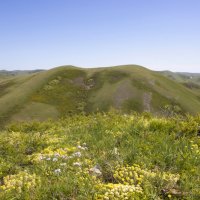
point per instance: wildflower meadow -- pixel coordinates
(102, 157)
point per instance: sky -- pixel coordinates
(157, 34)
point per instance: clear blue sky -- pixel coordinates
(158, 34)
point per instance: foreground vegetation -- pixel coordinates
(101, 156)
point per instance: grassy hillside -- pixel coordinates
(183, 76)
(101, 157)
(68, 90)
(189, 80)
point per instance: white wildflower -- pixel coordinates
(82, 148)
(95, 171)
(41, 157)
(77, 154)
(63, 164)
(57, 171)
(65, 157)
(77, 164)
(55, 159)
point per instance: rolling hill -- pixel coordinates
(68, 90)
(189, 80)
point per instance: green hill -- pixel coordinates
(68, 90)
(189, 80)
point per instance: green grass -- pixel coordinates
(161, 156)
(36, 111)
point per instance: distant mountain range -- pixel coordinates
(5, 73)
(67, 90)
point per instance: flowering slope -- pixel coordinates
(101, 157)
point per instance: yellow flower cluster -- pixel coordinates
(118, 192)
(49, 152)
(60, 151)
(130, 175)
(54, 139)
(84, 177)
(195, 148)
(169, 179)
(19, 182)
(135, 175)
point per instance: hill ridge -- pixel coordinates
(67, 90)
